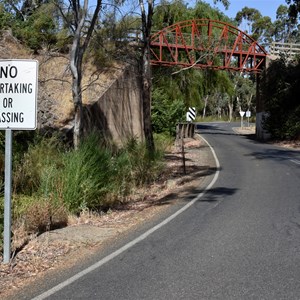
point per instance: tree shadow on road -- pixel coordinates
(274, 154)
(211, 195)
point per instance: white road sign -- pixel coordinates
(18, 94)
(242, 113)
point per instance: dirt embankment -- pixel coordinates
(54, 102)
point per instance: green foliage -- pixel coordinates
(36, 27)
(63, 41)
(21, 141)
(170, 12)
(49, 183)
(111, 41)
(96, 177)
(31, 163)
(203, 10)
(280, 87)
(246, 92)
(173, 87)
(166, 112)
(163, 142)
(39, 29)
(82, 178)
(145, 166)
(6, 18)
(294, 9)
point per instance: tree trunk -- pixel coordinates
(80, 43)
(230, 108)
(205, 105)
(75, 64)
(219, 112)
(77, 125)
(146, 72)
(146, 98)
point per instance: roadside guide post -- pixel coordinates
(242, 113)
(18, 111)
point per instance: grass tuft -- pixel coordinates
(50, 183)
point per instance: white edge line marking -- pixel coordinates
(295, 161)
(135, 241)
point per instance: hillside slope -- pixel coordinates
(106, 111)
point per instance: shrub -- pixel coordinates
(32, 164)
(39, 214)
(166, 113)
(82, 179)
(6, 18)
(280, 88)
(94, 177)
(145, 166)
(50, 183)
(38, 29)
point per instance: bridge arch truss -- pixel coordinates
(204, 43)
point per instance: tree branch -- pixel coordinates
(93, 23)
(190, 67)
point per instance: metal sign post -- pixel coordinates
(18, 110)
(248, 115)
(242, 113)
(7, 196)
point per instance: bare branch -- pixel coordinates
(93, 23)
(191, 66)
(42, 81)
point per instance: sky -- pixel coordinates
(266, 7)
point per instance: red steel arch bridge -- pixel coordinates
(205, 43)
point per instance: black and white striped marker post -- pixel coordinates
(191, 114)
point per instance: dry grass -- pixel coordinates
(56, 82)
(11, 48)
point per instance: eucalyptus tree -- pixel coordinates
(168, 13)
(81, 21)
(146, 27)
(280, 88)
(258, 27)
(22, 9)
(219, 88)
(294, 9)
(6, 17)
(285, 26)
(203, 10)
(245, 91)
(33, 23)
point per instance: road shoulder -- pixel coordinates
(59, 250)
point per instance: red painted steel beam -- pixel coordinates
(203, 43)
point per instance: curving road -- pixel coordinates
(240, 240)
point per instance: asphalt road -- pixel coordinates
(240, 240)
